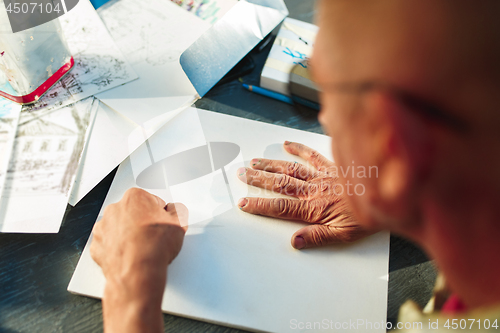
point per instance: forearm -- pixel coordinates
(133, 304)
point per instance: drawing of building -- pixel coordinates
(6, 135)
(46, 155)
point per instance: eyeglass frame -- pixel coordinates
(412, 101)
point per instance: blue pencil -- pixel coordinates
(281, 97)
(268, 93)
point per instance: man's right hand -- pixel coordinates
(134, 243)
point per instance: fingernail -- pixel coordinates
(241, 171)
(299, 243)
(287, 143)
(242, 202)
(255, 161)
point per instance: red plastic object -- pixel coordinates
(42, 89)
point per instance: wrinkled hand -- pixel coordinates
(320, 199)
(134, 242)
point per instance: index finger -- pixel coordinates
(283, 208)
(317, 160)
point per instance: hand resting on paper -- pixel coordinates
(134, 242)
(315, 188)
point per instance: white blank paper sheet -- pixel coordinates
(237, 269)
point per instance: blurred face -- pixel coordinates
(383, 41)
(442, 51)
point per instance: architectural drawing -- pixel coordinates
(47, 150)
(9, 116)
(156, 32)
(42, 167)
(99, 64)
(208, 10)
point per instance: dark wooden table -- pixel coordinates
(35, 269)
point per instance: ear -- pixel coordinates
(403, 151)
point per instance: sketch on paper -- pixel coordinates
(47, 151)
(99, 64)
(208, 10)
(156, 32)
(9, 116)
(90, 75)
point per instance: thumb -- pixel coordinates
(321, 235)
(179, 214)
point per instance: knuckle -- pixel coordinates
(258, 203)
(97, 228)
(324, 186)
(304, 173)
(320, 236)
(132, 192)
(269, 165)
(136, 197)
(302, 191)
(312, 190)
(251, 177)
(108, 210)
(281, 206)
(314, 155)
(293, 168)
(282, 183)
(94, 252)
(135, 193)
(350, 234)
(318, 189)
(312, 211)
(331, 170)
(262, 175)
(286, 207)
(299, 146)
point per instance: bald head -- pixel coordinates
(436, 185)
(446, 53)
(445, 50)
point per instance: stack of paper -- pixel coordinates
(42, 168)
(9, 117)
(152, 36)
(235, 268)
(293, 44)
(52, 133)
(172, 50)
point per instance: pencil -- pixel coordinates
(268, 93)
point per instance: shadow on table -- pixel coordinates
(35, 270)
(411, 276)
